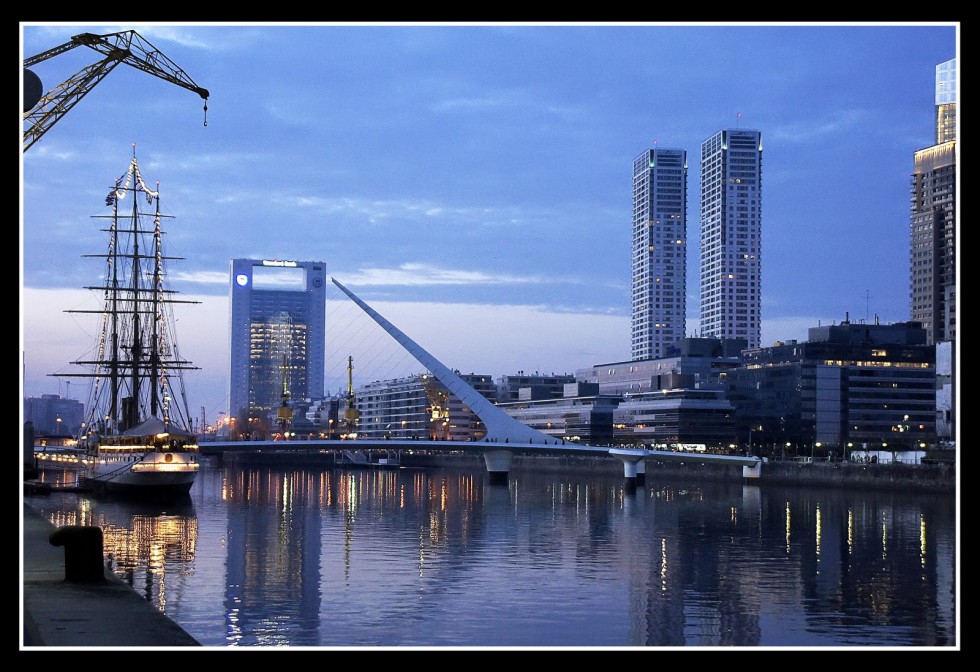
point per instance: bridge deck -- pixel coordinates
(556, 448)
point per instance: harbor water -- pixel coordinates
(310, 557)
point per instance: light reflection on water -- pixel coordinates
(434, 558)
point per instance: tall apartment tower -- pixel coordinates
(659, 252)
(932, 255)
(278, 311)
(731, 236)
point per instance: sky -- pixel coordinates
(473, 182)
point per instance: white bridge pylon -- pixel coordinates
(501, 427)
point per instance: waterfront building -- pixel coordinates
(659, 261)
(521, 386)
(673, 418)
(580, 415)
(53, 415)
(933, 225)
(277, 338)
(420, 407)
(692, 362)
(849, 386)
(731, 236)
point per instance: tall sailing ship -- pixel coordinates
(137, 439)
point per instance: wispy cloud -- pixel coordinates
(415, 274)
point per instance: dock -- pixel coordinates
(60, 611)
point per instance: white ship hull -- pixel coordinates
(150, 475)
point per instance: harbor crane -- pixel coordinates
(42, 111)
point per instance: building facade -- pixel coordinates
(848, 387)
(695, 362)
(933, 226)
(731, 236)
(523, 386)
(579, 415)
(659, 261)
(54, 415)
(419, 407)
(278, 313)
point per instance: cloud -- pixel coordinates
(414, 274)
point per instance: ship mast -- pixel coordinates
(136, 366)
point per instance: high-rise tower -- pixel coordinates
(932, 254)
(731, 235)
(659, 251)
(278, 311)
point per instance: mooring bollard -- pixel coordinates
(83, 552)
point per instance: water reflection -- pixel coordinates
(367, 558)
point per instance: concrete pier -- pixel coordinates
(77, 606)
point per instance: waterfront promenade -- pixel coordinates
(59, 613)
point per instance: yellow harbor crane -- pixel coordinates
(42, 111)
(351, 414)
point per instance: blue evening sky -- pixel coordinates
(473, 182)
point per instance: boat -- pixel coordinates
(137, 439)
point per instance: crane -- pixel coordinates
(43, 111)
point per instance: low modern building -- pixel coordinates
(670, 418)
(849, 387)
(520, 385)
(419, 407)
(581, 414)
(694, 362)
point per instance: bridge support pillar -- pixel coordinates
(633, 465)
(641, 472)
(753, 472)
(498, 465)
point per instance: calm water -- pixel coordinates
(268, 557)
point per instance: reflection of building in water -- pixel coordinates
(682, 604)
(272, 580)
(147, 547)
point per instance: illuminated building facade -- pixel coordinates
(659, 262)
(278, 311)
(420, 407)
(932, 261)
(731, 236)
(849, 387)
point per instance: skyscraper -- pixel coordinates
(659, 252)
(932, 255)
(731, 235)
(278, 313)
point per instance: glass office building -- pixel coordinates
(278, 313)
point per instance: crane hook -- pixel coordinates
(205, 111)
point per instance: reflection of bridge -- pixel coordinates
(505, 435)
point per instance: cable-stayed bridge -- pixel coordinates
(505, 435)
